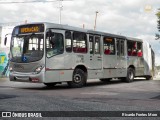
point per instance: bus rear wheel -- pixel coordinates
(130, 75)
(79, 79)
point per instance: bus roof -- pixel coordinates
(134, 39)
(105, 34)
(67, 27)
(57, 26)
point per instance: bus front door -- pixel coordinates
(54, 55)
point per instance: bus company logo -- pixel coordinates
(6, 114)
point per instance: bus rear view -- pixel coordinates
(27, 53)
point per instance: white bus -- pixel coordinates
(51, 53)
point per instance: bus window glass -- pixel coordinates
(109, 46)
(68, 41)
(54, 44)
(27, 48)
(97, 45)
(91, 44)
(118, 47)
(132, 48)
(79, 42)
(139, 49)
(34, 44)
(122, 48)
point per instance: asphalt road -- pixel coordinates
(140, 95)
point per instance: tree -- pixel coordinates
(158, 24)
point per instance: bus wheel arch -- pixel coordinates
(79, 77)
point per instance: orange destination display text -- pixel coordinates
(30, 29)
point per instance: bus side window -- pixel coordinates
(132, 48)
(54, 44)
(122, 48)
(91, 44)
(68, 43)
(79, 42)
(109, 46)
(118, 47)
(139, 49)
(97, 45)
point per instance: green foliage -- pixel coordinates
(158, 16)
(158, 24)
(158, 13)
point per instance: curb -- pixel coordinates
(4, 78)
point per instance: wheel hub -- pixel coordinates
(131, 75)
(77, 78)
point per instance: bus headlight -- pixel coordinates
(38, 69)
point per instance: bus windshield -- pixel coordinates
(27, 48)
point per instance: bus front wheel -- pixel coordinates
(79, 79)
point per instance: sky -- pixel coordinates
(134, 18)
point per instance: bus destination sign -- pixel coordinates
(108, 39)
(29, 29)
(32, 28)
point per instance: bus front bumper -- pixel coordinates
(27, 77)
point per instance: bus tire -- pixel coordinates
(105, 79)
(79, 79)
(130, 75)
(50, 84)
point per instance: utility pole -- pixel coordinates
(60, 9)
(95, 20)
(83, 26)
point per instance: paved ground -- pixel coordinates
(140, 95)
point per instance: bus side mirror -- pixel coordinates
(51, 36)
(5, 41)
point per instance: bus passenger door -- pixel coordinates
(95, 56)
(121, 58)
(54, 55)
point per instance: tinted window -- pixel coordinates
(97, 45)
(132, 48)
(109, 46)
(68, 44)
(91, 44)
(120, 47)
(54, 44)
(79, 42)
